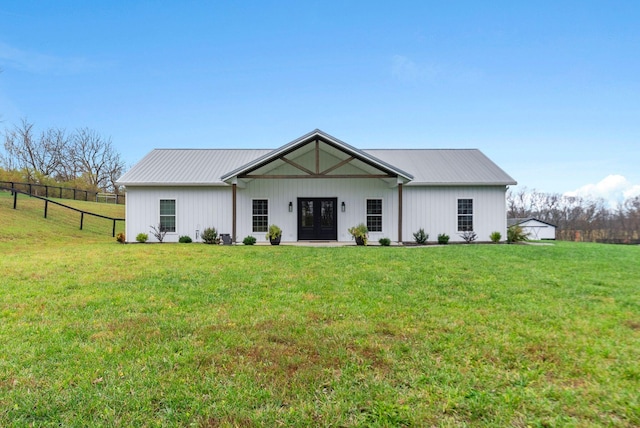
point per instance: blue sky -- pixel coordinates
(550, 90)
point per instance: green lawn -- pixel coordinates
(95, 333)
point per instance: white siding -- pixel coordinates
(431, 208)
(196, 209)
(538, 230)
(435, 209)
(353, 192)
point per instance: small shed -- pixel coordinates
(537, 229)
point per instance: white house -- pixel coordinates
(537, 229)
(315, 188)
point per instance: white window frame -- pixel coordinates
(175, 213)
(253, 230)
(381, 215)
(458, 215)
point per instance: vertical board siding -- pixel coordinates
(433, 208)
(196, 209)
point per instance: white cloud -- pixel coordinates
(36, 62)
(406, 70)
(614, 189)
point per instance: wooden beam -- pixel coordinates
(336, 166)
(399, 213)
(296, 165)
(233, 212)
(297, 177)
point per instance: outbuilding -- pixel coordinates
(314, 188)
(536, 229)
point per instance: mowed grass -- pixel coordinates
(95, 333)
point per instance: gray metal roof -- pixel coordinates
(208, 167)
(193, 167)
(446, 167)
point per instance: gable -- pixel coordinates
(318, 155)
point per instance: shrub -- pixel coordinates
(469, 236)
(142, 237)
(359, 233)
(274, 233)
(516, 234)
(443, 239)
(385, 242)
(121, 238)
(495, 237)
(421, 237)
(249, 240)
(159, 232)
(185, 239)
(210, 236)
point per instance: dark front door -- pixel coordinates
(317, 219)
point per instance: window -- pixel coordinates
(465, 215)
(260, 215)
(168, 215)
(374, 215)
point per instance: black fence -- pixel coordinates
(14, 191)
(46, 191)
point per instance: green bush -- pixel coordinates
(249, 240)
(421, 237)
(495, 237)
(142, 238)
(185, 239)
(360, 233)
(121, 238)
(516, 234)
(385, 242)
(210, 236)
(443, 239)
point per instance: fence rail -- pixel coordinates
(34, 189)
(47, 201)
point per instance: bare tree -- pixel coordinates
(95, 159)
(39, 155)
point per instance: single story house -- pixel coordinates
(314, 188)
(537, 229)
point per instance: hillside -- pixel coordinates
(61, 224)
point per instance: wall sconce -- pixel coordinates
(290, 207)
(343, 207)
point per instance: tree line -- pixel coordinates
(578, 218)
(82, 159)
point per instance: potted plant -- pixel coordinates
(274, 234)
(360, 233)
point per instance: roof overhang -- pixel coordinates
(317, 135)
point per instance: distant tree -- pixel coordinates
(38, 155)
(95, 159)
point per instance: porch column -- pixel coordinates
(233, 212)
(399, 212)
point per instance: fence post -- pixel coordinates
(74, 194)
(46, 206)
(46, 191)
(81, 219)
(86, 195)
(60, 192)
(15, 199)
(113, 233)
(30, 190)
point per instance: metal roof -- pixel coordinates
(446, 167)
(210, 167)
(193, 167)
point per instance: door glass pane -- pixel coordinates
(307, 214)
(327, 213)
